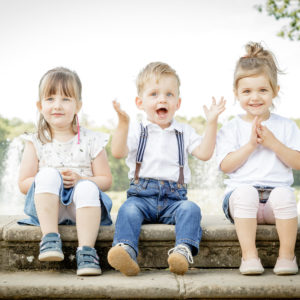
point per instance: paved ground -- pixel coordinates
(151, 284)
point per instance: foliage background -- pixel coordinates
(14, 127)
(288, 10)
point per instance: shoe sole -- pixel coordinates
(51, 256)
(88, 272)
(286, 272)
(120, 260)
(178, 264)
(252, 272)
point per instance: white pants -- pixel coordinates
(86, 193)
(244, 203)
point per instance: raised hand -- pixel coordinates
(215, 109)
(123, 116)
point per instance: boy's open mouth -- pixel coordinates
(161, 112)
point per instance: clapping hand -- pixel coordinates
(261, 135)
(265, 136)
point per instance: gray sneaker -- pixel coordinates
(122, 257)
(179, 259)
(51, 248)
(87, 261)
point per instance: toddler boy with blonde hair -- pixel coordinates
(157, 157)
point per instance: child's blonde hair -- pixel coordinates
(157, 69)
(256, 61)
(57, 81)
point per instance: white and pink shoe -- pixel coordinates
(285, 266)
(251, 266)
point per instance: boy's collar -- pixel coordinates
(174, 125)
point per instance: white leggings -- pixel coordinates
(86, 193)
(244, 203)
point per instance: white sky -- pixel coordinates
(107, 42)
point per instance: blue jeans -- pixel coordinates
(157, 201)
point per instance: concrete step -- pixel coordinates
(149, 284)
(19, 245)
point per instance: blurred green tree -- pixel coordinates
(284, 9)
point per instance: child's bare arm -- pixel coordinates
(101, 171)
(206, 149)
(236, 159)
(288, 156)
(28, 168)
(119, 147)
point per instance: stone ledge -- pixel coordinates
(4, 222)
(19, 246)
(214, 228)
(153, 284)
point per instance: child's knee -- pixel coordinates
(132, 209)
(244, 202)
(47, 180)
(189, 208)
(283, 203)
(129, 209)
(86, 194)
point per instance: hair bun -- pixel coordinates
(255, 50)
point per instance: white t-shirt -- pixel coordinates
(263, 167)
(161, 160)
(70, 154)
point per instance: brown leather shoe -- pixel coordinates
(179, 259)
(122, 258)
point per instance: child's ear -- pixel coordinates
(139, 102)
(39, 105)
(78, 107)
(178, 103)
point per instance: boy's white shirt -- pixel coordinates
(70, 155)
(161, 152)
(263, 167)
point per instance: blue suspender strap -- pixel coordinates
(142, 144)
(140, 151)
(180, 142)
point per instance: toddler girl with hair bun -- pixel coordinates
(258, 151)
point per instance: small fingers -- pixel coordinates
(260, 140)
(222, 104)
(222, 100)
(205, 109)
(68, 184)
(254, 123)
(67, 177)
(221, 109)
(116, 105)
